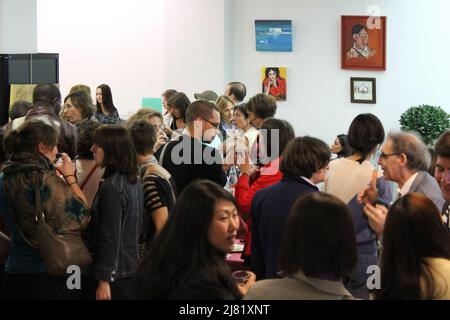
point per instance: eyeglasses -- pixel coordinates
(387, 155)
(215, 125)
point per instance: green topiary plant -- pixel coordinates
(429, 121)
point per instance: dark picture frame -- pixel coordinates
(363, 90)
(363, 43)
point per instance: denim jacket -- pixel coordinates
(113, 234)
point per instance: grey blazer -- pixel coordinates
(427, 184)
(298, 287)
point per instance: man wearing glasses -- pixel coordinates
(189, 158)
(405, 160)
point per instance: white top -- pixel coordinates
(346, 178)
(84, 166)
(405, 189)
(167, 120)
(251, 134)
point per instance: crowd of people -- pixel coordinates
(160, 200)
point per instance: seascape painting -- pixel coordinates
(273, 35)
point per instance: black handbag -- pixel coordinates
(59, 249)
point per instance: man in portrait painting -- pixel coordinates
(360, 48)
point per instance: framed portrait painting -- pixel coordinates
(274, 82)
(363, 90)
(363, 42)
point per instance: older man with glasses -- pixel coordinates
(405, 160)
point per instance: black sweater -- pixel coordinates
(187, 159)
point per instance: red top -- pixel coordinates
(279, 91)
(245, 191)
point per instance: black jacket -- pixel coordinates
(270, 210)
(67, 132)
(113, 234)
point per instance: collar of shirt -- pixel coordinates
(226, 126)
(405, 189)
(152, 159)
(364, 51)
(309, 181)
(186, 132)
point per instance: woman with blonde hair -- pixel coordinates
(155, 119)
(226, 109)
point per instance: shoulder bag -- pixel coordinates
(59, 250)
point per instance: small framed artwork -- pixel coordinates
(273, 35)
(363, 42)
(274, 82)
(363, 90)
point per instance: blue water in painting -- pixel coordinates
(273, 35)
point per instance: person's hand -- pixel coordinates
(369, 194)
(274, 82)
(167, 131)
(103, 291)
(243, 287)
(267, 88)
(247, 166)
(66, 166)
(376, 216)
(161, 139)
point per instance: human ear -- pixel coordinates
(43, 149)
(403, 159)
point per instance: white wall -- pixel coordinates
(194, 45)
(139, 48)
(112, 42)
(2, 27)
(318, 90)
(18, 26)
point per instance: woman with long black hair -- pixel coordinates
(106, 111)
(187, 259)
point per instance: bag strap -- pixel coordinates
(85, 181)
(3, 236)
